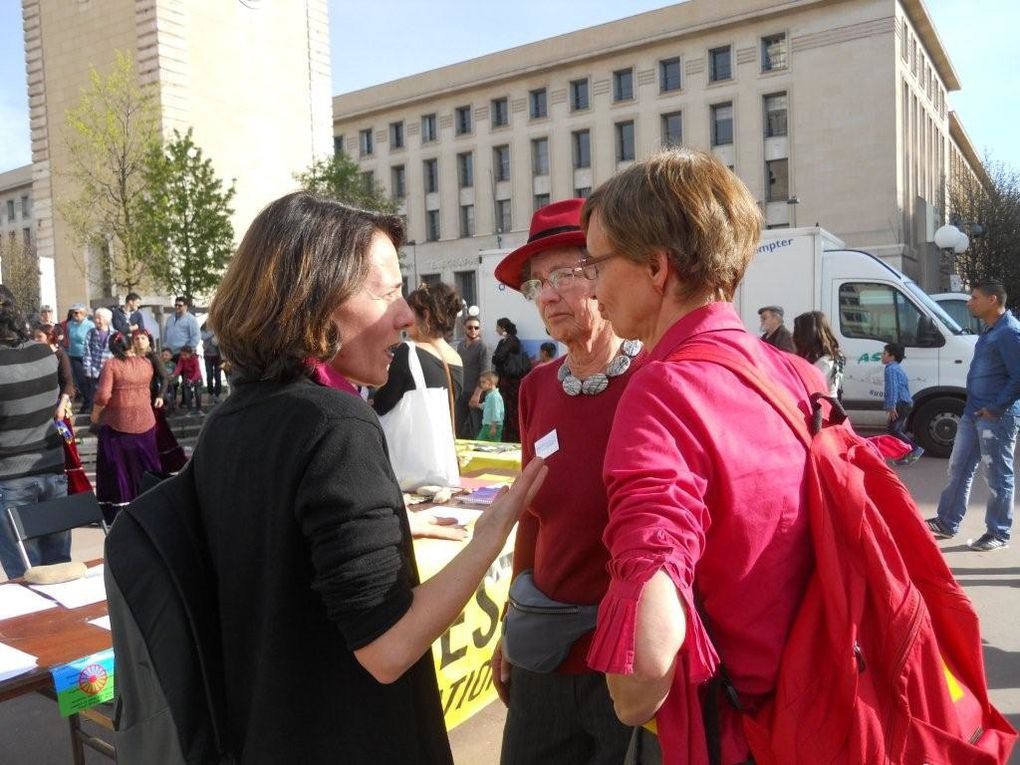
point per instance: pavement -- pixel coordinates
(31, 732)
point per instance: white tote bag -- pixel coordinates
(419, 435)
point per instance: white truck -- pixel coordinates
(869, 303)
(496, 301)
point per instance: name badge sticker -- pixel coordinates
(547, 445)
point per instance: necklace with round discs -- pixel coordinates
(598, 382)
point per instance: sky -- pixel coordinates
(415, 36)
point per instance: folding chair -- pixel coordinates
(55, 515)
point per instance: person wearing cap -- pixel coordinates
(774, 332)
(76, 333)
(564, 715)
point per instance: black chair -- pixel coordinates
(55, 515)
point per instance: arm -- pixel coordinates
(194, 336)
(66, 381)
(889, 393)
(1009, 349)
(104, 391)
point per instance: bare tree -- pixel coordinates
(20, 272)
(109, 135)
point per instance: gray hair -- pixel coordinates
(106, 313)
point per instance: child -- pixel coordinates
(166, 356)
(898, 401)
(492, 408)
(191, 378)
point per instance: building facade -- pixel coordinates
(16, 219)
(259, 118)
(832, 113)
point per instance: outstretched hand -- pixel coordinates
(503, 513)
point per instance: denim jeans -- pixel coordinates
(990, 442)
(897, 427)
(213, 375)
(82, 382)
(52, 548)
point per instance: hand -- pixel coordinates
(158, 403)
(493, 526)
(500, 673)
(986, 414)
(59, 414)
(893, 415)
(95, 416)
(493, 430)
(476, 400)
(430, 527)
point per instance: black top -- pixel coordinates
(400, 380)
(312, 553)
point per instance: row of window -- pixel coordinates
(26, 208)
(912, 53)
(774, 56)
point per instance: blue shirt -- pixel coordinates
(181, 331)
(77, 331)
(993, 381)
(897, 388)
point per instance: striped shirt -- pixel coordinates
(29, 441)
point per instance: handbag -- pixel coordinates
(418, 434)
(538, 632)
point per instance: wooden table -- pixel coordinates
(55, 637)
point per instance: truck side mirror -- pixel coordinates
(928, 335)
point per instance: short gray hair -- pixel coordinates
(106, 313)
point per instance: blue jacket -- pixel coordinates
(993, 381)
(897, 388)
(76, 333)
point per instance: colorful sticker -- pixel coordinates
(84, 683)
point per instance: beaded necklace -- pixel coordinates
(598, 382)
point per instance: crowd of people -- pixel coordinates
(662, 510)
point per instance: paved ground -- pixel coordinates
(32, 734)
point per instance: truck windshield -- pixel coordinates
(936, 309)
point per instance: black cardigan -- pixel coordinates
(313, 559)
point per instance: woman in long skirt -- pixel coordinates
(127, 436)
(171, 456)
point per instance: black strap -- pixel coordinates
(551, 232)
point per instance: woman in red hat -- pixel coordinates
(559, 709)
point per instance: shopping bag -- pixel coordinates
(419, 435)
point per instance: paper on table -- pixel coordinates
(14, 662)
(16, 600)
(79, 592)
(102, 621)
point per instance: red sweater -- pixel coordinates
(188, 369)
(560, 536)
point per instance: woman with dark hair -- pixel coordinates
(171, 456)
(127, 433)
(435, 309)
(319, 599)
(511, 363)
(815, 341)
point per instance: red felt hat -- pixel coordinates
(553, 226)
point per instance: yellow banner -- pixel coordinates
(462, 653)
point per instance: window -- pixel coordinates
(578, 95)
(903, 39)
(26, 236)
(777, 180)
(624, 141)
(775, 115)
(669, 75)
(540, 156)
(397, 135)
(431, 279)
(10, 210)
(719, 64)
(773, 52)
(430, 170)
(582, 192)
(466, 170)
(503, 220)
(881, 312)
(582, 148)
(501, 163)
(541, 200)
(466, 283)
(428, 128)
(538, 104)
(365, 146)
(398, 182)
(722, 124)
(338, 144)
(623, 85)
(467, 222)
(368, 181)
(26, 206)
(431, 225)
(462, 120)
(500, 112)
(672, 129)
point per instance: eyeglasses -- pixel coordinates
(562, 280)
(472, 328)
(590, 265)
(179, 305)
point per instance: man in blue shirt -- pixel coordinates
(988, 428)
(181, 328)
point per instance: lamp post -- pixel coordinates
(952, 241)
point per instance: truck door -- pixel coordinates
(870, 314)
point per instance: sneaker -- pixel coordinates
(939, 529)
(988, 543)
(914, 456)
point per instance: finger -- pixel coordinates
(528, 476)
(535, 485)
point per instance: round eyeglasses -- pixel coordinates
(562, 280)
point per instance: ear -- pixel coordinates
(658, 270)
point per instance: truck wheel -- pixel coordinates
(935, 425)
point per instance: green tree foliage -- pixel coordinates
(994, 204)
(185, 215)
(109, 134)
(340, 178)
